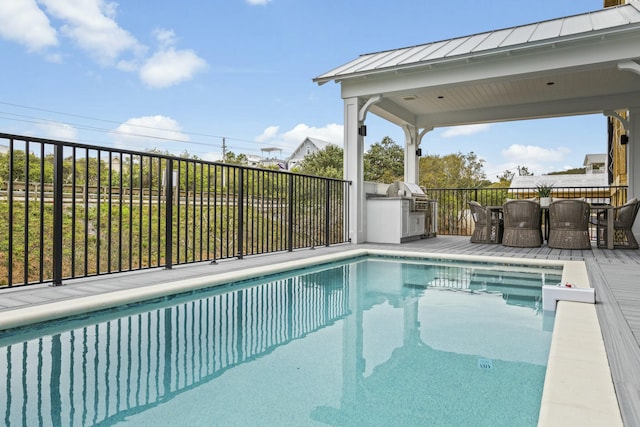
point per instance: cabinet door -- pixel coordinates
(416, 224)
(406, 223)
(419, 224)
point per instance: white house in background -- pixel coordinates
(272, 156)
(306, 147)
(4, 149)
(594, 176)
(591, 185)
(595, 163)
(560, 181)
(253, 160)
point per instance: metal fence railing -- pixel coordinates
(454, 217)
(73, 210)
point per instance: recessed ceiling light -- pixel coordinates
(410, 98)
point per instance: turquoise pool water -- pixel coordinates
(373, 341)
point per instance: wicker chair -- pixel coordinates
(522, 224)
(479, 235)
(569, 224)
(623, 219)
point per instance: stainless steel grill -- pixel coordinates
(418, 202)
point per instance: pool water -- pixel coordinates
(372, 341)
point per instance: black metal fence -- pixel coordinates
(74, 210)
(454, 217)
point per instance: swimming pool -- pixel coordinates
(355, 343)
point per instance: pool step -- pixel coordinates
(552, 294)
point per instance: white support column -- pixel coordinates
(354, 169)
(412, 139)
(411, 158)
(355, 114)
(633, 160)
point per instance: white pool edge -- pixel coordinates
(578, 388)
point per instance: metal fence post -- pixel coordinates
(57, 214)
(10, 201)
(327, 233)
(290, 215)
(168, 245)
(240, 202)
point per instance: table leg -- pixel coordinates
(610, 230)
(488, 231)
(545, 212)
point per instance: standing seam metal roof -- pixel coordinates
(550, 31)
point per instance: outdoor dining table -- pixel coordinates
(491, 211)
(544, 211)
(608, 213)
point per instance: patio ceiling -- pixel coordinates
(582, 64)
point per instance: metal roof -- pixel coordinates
(590, 159)
(559, 181)
(319, 143)
(529, 36)
(581, 64)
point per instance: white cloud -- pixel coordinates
(533, 153)
(538, 160)
(91, 24)
(269, 133)
(465, 130)
(165, 37)
(211, 156)
(258, 2)
(169, 67)
(55, 58)
(61, 131)
(149, 132)
(24, 22)
(292, 138)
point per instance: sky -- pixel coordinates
(182, 75)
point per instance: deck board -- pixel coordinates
(613, 273)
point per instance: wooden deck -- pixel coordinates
(613, 273)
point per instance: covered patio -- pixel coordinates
(582, 64)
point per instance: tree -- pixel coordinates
(524, 171)
(20, 159)
(233, 159)
(384, 162)
(327, 162)
(507, 176)
(574, 171)
(452, 171)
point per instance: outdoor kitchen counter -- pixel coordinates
(391, 220)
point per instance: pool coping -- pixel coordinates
(578, 387)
